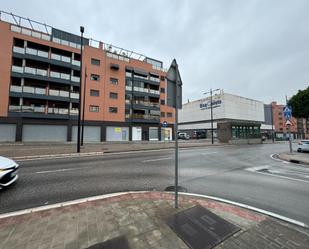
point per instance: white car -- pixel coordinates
(8, 172)
(303, 145)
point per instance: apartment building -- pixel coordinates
(40, 67)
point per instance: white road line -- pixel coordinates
(56, 170)
(208, 153)
(284, 177)
(262, 211)
(157, 159)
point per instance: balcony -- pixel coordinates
(74, 111)
(43, 91)
(25, 108)
(146, 90)
(75, 79)
(18, 50)
(56, 110)
(17, 69)
(58, 75)
(76, 63)
(59, 93)
(74, 95)
(61, 58)
(37, 52)
(147, 118)
(35, 71)
(147, 104)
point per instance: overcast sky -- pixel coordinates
(253, 48)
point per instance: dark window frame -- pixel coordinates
(113, 94)
(94, 91)
(113, 109)
(95, 62)
(113, 81)
(94, 106)
(95, 77)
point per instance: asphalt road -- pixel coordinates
(244, 174)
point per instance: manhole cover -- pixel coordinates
(200, 228)
(172, 189)
(116, 243)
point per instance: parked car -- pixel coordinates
(183, 135)
(303, 145)
(8, 172)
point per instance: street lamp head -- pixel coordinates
(82, 29)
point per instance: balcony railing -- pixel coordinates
(18, 50)
(56, 110)
(58, 75)
(41, 109)
(37, 52)
(74, 111)
(35, 71)
(61, 58)
(34, 90)
(75, 79)
(42, 91)
(143, 116)
(60, 93)
(76, 63)
(147, 103)
(17, 69)
(146, 90)
(74, 95)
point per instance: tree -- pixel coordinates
(300, 104)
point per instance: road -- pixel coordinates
(244, 174)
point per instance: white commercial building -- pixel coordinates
(243, 115)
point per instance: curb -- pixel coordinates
(106, 196)
(52, 156)
(100, 153)
(291, 160)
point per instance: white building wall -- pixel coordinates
(231, 107)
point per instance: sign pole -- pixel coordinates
(290, 140)
(176, 140)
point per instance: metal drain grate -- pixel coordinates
(200, 228)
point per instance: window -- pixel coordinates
(162, 102)
(95, 77)
(113, 81)
(94, 108)
(162, 114)
(113, 95)
(95, 62)
(162, 90)
(95, 93)
(169, 114)
(113, 109)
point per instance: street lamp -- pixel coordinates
(84, 103)
(211, 113)
(80, 88)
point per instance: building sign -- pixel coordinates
(117, 129)
(207, 105)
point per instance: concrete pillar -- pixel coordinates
(19, 131)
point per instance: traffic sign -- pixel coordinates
(287, 112)
(164, 124)
(288, 123)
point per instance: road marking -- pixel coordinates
(157, 159)
(262, 211)
(272, 172)
(56, 170)
(208, 153)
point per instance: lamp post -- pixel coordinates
(80, 88)
(211, 113)
(84, 104)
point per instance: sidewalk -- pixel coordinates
(295, 157)
(140, 218)
(35, 149)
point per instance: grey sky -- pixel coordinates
(257, 49)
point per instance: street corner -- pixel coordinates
(139, 217)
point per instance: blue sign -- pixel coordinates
(287, 112)
(164, 124)
(207, 105)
